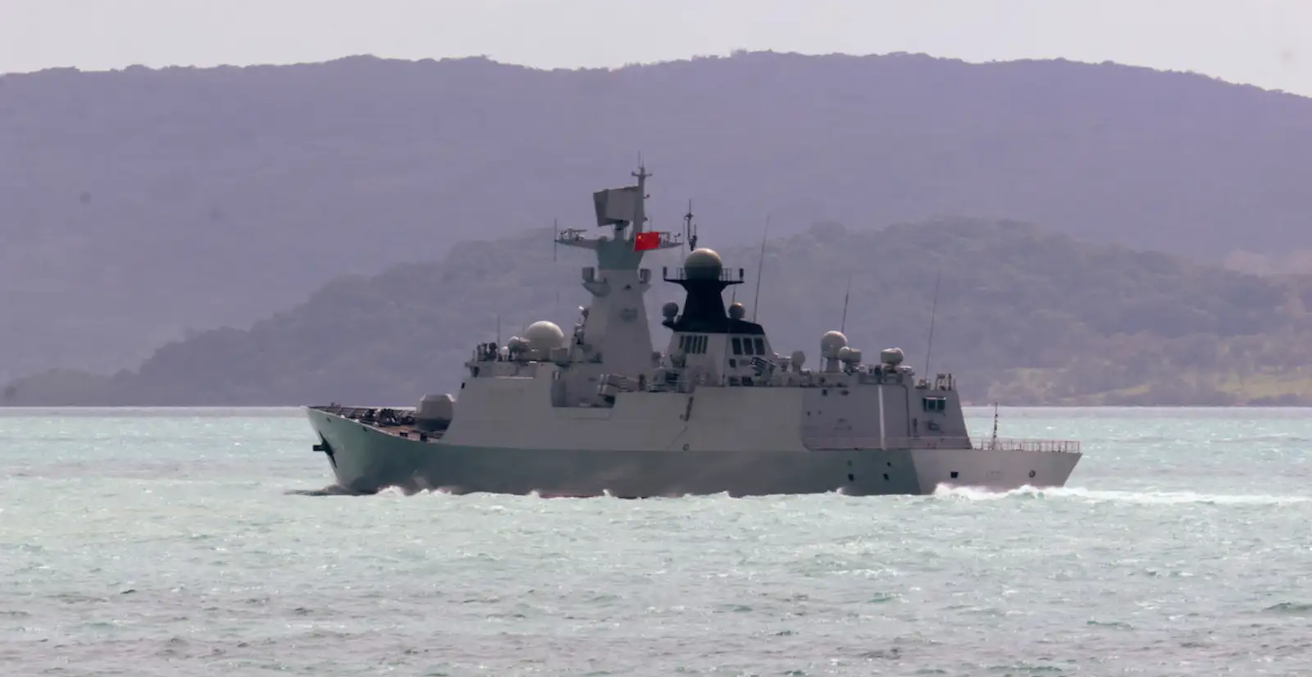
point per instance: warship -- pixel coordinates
(599, 412)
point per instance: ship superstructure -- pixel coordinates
(598, 411)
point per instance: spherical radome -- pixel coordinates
(544, 335)
(702, 264)
(832, 341)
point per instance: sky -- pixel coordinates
(1267, 43)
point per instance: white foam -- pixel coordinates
(1104, 496)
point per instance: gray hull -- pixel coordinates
(366, 460)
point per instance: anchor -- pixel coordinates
(326, 449)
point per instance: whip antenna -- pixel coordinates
(842, 326)
(760, 265)
(933, 311)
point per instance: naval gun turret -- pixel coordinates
(434, 412)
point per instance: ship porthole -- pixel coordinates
(1031, 473)
(685, 447)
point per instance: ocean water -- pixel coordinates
(172, 542)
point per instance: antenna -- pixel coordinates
(994, 444)
(932, 313)
(689, 230)
(498, 330)
(555, 239)
(760, 265)
(842, 326)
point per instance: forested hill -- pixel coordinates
(137, 204)
(1025, 316)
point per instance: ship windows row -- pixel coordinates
(696, 344)
(693, 344)
(748, 345)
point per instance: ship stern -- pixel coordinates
(999, 465)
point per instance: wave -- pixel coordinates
(1106, 496)
(1291, 608)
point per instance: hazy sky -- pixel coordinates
(1263, 42)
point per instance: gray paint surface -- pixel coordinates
(599, 412)
(366, 460)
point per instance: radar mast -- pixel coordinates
(614, 326)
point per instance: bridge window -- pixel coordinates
(760, 345)
(737, 346)
(933, 403)
(693, 344)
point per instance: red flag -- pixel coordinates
(646, 240)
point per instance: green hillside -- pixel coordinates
(1024, 316)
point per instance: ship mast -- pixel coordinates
(619, 208)
(614, 326)
(639, 209)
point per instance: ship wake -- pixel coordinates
(1113, 496)
(330, 490)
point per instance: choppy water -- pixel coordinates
(162, 542)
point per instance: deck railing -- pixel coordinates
(371, 414)
(731, 275)
(999, 444)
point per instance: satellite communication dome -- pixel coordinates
(543, 335)
(702, 264)
(831, 342)
(736, 311)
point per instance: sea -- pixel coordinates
(189, 542)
